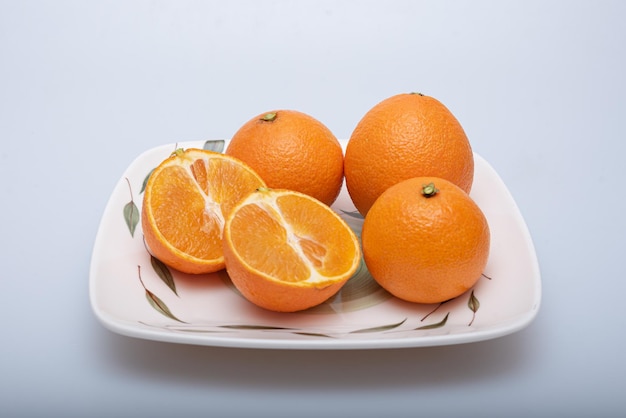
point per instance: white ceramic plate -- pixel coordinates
(133, 294)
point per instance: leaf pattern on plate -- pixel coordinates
(435, 310)
(145, 181)
(314, 334)
(215, 145)
(435, 325)
(473, 304)
(131, 212)
(352, 213)
(164, 273)
(379, 328)
(257, 327)
(360, 292)
(155, 301)
(159, 305)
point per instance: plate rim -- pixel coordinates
(508, 327)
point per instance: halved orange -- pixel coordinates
(286, 251)
(186, 200)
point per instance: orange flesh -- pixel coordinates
(180, 207)
(320, 238)
(292, 240)
(189, 199)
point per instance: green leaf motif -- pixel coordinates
(379, 328)
(145, 181)
(473, 304)
(354, 213)
(435, 310)
(254, 327)
(131, 212)
(164, 273)
(215, 145)
(131, 216)
(155, 301)
(436, 325)
(160, 306)
(313, 334)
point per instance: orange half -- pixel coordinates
(186, 201)
(286, 251)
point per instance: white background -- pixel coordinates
(85, 87)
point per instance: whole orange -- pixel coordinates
(425, 240)
(291, 150)
(404, 136)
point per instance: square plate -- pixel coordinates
(133, 294)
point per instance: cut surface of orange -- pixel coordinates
(286, 251)
(186, 201)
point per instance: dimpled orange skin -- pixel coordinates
(404, 136)
(275, 295)
(425, 249)
(292, 151)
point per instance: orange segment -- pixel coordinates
(324, 243)
(286, 251)
(180, 215)
(258, 228)
(185, 203)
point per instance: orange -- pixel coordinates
(186, 201)
(291, 150)
(425, 240)
(286, 251)
(404, 136)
